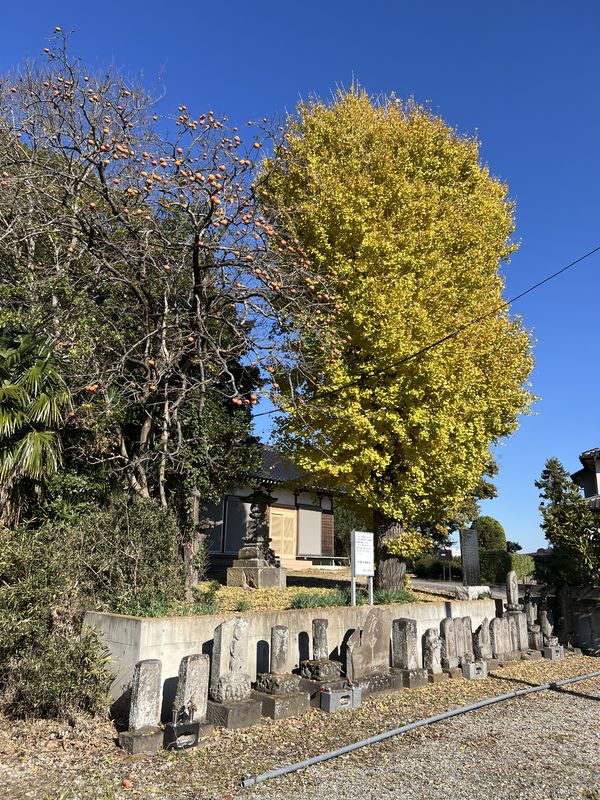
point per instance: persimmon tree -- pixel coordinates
(137, 247)
(409, 228)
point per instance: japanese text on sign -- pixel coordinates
(363, 561)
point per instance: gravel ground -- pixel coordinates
(545, 745)
(542, 746)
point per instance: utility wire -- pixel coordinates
(461, 329)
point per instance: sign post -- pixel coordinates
(363, 562)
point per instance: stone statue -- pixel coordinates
(432, 651)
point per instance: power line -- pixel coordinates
(461, 329)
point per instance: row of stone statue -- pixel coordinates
(219, 691)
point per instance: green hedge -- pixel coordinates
(433, 567)
(495, 564)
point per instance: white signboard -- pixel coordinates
(363, 559)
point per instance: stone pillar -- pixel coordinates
(404, 653)
(319, 639)
(432, 656)
(482, 646)
(368, 656)
(280, 646)
(450, 661)
(144, 734)
(189, 724)
(279, 691)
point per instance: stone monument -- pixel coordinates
(279, 690)
(188, 725)
(256, 566)
(450, 659)
(469, 553)
(432, 656)
(320, 672)
(472, 668)
(552, 649)
(482, 645)
(405, 661)
(368, 656)
(145, 734)
(231, 704)
(519, 634)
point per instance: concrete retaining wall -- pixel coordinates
(131, 639)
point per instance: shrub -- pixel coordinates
(320, 600)
(430, 566)
(205, 598)
(47, 666)
(386, 597)
(495, 564)
(242, 605)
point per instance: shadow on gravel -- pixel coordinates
(558, 689)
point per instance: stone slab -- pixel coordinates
(186, 735)
(143, 740)
(314, 688)
(282, 706)
(531, 655)
(413, 678)
(380, 682)
(239, 714)
(437, 677)
(340, 699)
(453, 672)
(257, 577)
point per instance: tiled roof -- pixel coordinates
(590, 455)
(593, 502)
(278, 468)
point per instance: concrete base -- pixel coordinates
(474, 670)
(314, 689)
(282, 706)
(252, 577)
(471, 592)
(531, 655)
(412, 678)
(453, 672)
(437, 677)
(380, 682)
(144, 740)
(185, 735)
(340, 699)
(240, 714)
(555, 653)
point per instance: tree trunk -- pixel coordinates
(390, 570)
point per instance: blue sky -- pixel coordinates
(523, 75)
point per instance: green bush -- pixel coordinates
(318, 600)
(47, 666)
(386, 597)
(490, 533)
(242, 605)
(205, 600)
(495, 564)
(432, 567)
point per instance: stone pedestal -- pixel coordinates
(235, 714)
(531, 655)
(474, 670)
(252, 574)
(143, 740)
(437, 677)
(453, 672)
(380, 682)
(281, 695)
(412, 678)
(185, 735)
(313, 688)
(554, 652)
(282, 706)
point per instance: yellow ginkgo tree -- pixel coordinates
(409, 228)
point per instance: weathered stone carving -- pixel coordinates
(270, 683)
(404, 644)
(192, 685)
(280, 646)
(368, 652)
(448, 636)
(482, 645)
(146, 694)
(432, 651)
(319, 639)
(467, 636)
(231, 687)
(325, 670)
